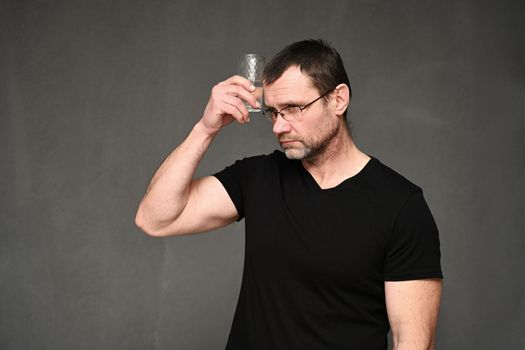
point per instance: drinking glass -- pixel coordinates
(251, 67)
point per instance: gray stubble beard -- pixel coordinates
(314, 150)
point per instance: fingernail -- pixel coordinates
(252, 87)
(258, 104)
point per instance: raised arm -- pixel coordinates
(174, 202)
(413, 308)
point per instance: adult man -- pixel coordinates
(339, 247)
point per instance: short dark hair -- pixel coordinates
(316, 58)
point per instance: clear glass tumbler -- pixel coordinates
(251, 67)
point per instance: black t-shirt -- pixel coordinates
(316, 259)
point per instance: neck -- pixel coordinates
(340, 160)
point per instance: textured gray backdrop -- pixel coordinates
(94, 94)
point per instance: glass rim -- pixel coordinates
(252, 55)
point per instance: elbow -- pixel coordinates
(147, 226)
(141, 223)
(412, 344)
(409, 346)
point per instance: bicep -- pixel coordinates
(413, 308)
(208, 207)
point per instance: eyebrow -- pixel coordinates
(285, 104)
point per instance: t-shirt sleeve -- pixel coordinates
(230, 177)
(414, 250)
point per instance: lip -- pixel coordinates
(286, 142)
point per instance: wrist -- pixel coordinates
(204, 130)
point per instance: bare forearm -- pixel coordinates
(168, 191)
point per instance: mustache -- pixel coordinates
(282, 139)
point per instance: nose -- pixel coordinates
(281, 126)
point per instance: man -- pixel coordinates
(339, 247)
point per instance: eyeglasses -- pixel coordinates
(290, 113)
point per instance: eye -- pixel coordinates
(292, 110)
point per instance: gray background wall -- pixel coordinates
(94, 94)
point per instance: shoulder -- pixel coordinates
(388, 183)
(256, 165)
(274, 158)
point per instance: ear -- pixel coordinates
(342, 98)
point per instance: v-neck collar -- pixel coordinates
(343, 184)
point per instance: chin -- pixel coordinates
(296, 154)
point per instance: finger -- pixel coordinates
(242, 81)
(239, 106)
(240, 92)
(232, 111)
